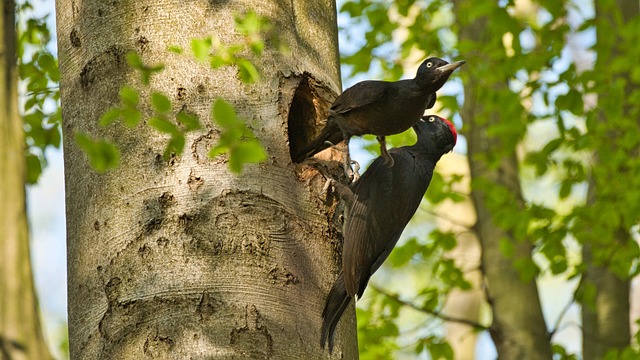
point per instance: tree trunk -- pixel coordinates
(185, 259)
(462, 304)
(518, 329)
(606, 323)
(20, 330)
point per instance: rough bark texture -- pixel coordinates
(20, 330)
(518, 328)
(606, 326)
(185, 259)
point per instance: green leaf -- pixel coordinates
(552, 145)
(175, 49)
(110, 116)
(31, 102)
(201, 49)
(54, 137)
(218, 150)
(248, 72)
(440, 350)
(224, 114)
(249, 151)
(191, 122)
(46, 61)
(175, 146)
(251, 23)
(446, 240)
(161, 102)
(163, 125)
(506, 247)
(403, 253)
(565, 189)
(129, 96)
(34, 168)
(527, 269)
(102, 154)
(131, 116)
(134, 60)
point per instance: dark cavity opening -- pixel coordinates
(302, 119)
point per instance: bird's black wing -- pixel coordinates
(431, 101)
(385, 199)
(360, 94)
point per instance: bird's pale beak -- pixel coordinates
(451, 67)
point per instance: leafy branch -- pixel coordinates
(237, 141)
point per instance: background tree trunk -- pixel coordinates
(462, 304)
(518, 328)
(606, 322)
(185, 259)
(20, 329)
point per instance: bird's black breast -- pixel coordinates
(385, 200)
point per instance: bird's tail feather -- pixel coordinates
(337, 302)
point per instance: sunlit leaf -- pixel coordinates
(191, 122)
(129, 96)
(110, 116)
(224, 114)
(102, 154)
(201, 49)
(160, 102)
(163, 125)
(34, 168)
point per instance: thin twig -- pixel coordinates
(435, 313)
(444, 217)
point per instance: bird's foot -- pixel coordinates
(388, 160)
(326, 186)
(355, 169)
(386, 157)
(351, 171)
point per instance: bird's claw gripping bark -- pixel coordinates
(355, 175)
(351, 172)
(326, 186)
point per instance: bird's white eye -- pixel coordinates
(429, 64)
(432, 118)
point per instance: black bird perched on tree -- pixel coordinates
(378, 207)
(381, 108)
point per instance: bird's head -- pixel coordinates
(434, 72)
(436, 133)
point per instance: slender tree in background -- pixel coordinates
(493, 163)
(182, 258)
(20, 329)
(605, 316)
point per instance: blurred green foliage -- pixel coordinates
(597, 145)
(38, 72)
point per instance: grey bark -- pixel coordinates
(20, 329)
(518, 328)
(185, 259)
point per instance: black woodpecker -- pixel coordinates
(381, 108)
(378, 207)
